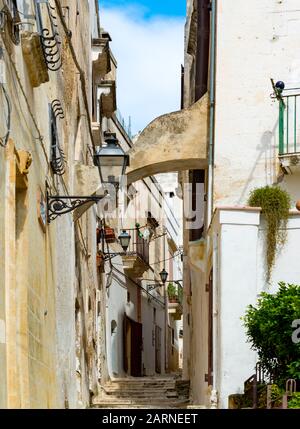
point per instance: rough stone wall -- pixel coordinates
(39, 334)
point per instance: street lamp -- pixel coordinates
(111, 160)
(164, 276)
(124, 239)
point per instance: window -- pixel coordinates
(13, 20)
(197, 178)
(128, 297)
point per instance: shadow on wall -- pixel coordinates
(268, 152)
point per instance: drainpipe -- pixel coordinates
(214, 394)
(212, 85)
(212, 78)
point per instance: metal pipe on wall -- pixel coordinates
(212, 111)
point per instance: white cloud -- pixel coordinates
(149, 54)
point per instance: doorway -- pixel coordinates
(114, 348)
(157, 349)
(133, 346)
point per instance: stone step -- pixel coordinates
(140, 384)
(115, 400)
(161, 393)
(142, 405)
(138, 406)
(138, 388)
(129, 394)
(141, 381)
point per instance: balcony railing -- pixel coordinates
(289, 125)
(138, 246)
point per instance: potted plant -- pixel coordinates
(109, 234)
(172, 293)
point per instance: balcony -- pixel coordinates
(136, 260)
(34, 58)
(289, 132)
(175, 298)
(100, 58)
(106, 94)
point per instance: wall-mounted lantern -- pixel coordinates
(164, 276)
(124, 239)
(111, 160)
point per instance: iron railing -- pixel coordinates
(139, 246)
(289, 126)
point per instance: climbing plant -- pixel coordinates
(275, 204)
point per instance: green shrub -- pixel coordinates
(275, 204)
(294, 402)
(269, 330)
(172, 291)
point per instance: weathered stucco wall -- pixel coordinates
(255, 42)
(237, 286)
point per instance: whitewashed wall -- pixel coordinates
(239, 279)
(256, 40)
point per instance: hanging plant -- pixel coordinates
(275, 204)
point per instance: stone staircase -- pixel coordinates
(146, 392)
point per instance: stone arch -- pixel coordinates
(173, 142)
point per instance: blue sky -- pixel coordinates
(151, 7)
(148, 44)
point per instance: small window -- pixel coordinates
(13, 20)
(128, 297)
(173, 337)
(113, 327)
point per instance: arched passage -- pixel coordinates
(173, 142)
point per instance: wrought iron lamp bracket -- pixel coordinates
(108, 256)
(59, 205)
(154, 286)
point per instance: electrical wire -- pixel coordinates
(158, 262)
(4, 139)
(139, 286)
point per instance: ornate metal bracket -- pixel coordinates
(108, 256)
(154, 286)
(49, 36)
(58, 159)
(59, 205)
(57, 109)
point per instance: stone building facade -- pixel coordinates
(235, 132)
(48, 276)
(232, 51)
(60, 305)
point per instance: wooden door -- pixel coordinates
(136, 348)
(126, 344)
(210, 330)
(157, 349)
